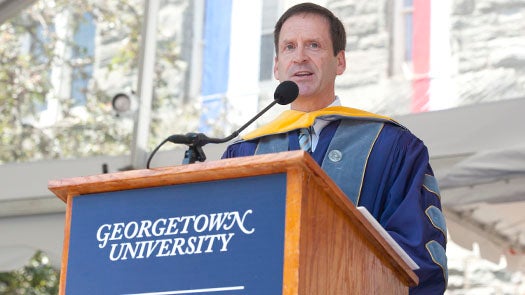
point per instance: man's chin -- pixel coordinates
(305, 90)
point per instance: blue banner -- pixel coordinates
(216, 62)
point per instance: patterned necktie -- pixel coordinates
(305, 139)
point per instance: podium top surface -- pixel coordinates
(199, 172)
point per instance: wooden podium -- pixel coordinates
(286, 228)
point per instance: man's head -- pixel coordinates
(337, 30)
(308, 54)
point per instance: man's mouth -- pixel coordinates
(303, 74)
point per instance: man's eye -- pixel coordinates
(289, 47)
(314, 45)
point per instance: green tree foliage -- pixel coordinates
(36, 278)
(32, 49)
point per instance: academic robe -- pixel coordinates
(386, 170)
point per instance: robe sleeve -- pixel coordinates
(412, 214)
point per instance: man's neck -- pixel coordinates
(304, 104)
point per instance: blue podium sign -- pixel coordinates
(217, 237)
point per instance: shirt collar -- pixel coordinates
(321, 123)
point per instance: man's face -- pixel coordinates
(305, 55)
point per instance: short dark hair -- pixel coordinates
(337, 30)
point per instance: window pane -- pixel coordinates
(82, 62)
(267, 56)
(408, 29)
(269, 18)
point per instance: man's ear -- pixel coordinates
(341, 62)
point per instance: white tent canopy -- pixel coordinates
(478, 154)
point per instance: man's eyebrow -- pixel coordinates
(286, 41)
(315, 39)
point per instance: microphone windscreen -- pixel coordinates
(286, 92)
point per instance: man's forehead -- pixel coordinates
(306, 15)
(303, 24)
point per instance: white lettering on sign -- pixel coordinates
(180, 235)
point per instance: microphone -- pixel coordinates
(285, 93)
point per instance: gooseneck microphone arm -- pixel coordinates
(236, 133)
(284, 94)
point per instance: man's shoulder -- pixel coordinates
(241, 148)
(390, 125)
(400, 136)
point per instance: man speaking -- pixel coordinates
(377, 162)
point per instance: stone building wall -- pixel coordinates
(488, 45)
(366, 83)
(487, 54)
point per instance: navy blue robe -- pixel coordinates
(400, 191)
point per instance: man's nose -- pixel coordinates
(300, 55)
